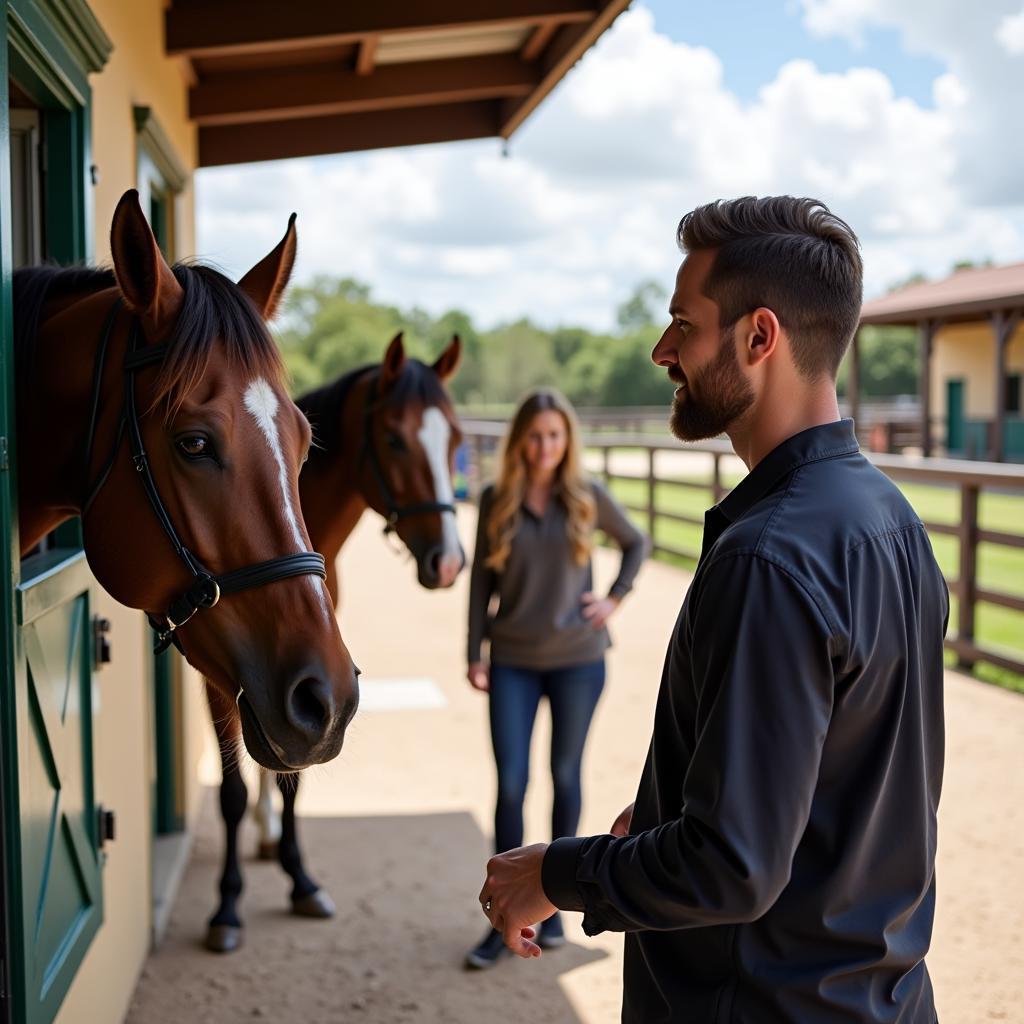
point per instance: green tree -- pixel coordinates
(644, 307)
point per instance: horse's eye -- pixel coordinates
(195, 446)
(395, 443)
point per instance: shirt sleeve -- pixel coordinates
(482, 581)
(635, 544)
(760, 654)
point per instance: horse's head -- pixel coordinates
(410, 433)
(224, 445)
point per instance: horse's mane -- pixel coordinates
(31, 287)
(324, 406)
(214, 309)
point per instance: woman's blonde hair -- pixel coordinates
(571, 487)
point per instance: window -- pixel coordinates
(1013, 393)
(161, 177)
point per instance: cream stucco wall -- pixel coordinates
(967, 352)
(137, 73)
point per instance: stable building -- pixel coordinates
(99, 740)
(971, 335)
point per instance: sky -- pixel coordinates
(904, 116)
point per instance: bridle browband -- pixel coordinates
(207, 588)
(369, 453)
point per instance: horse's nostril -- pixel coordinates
(310, 706)
(432, 563)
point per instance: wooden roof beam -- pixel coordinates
(570, 42)
(344, 133)
(236, 26)
(298, 92)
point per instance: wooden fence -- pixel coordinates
(968, 479)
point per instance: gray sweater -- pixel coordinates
(539, 620)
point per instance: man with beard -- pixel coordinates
(778, 862)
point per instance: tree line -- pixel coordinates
(332, 325)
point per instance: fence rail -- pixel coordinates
(970, 479)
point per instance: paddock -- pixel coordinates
(398, 830)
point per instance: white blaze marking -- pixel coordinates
(261, 401)
(434, 435)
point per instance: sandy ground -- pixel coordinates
(398, 831)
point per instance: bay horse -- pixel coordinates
(384, 438)
(150, 402)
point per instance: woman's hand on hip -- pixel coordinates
(620, 826)
(598, 610)
(479, 676)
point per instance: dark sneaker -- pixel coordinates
(491, 949)
(551, 934)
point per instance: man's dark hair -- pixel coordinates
(793, 256)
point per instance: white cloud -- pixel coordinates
(644, 129)
(976, 42)
(1010, 33)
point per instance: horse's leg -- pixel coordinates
(224, 932)
(267, 818)
(308, 899)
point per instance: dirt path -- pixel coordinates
(398, 831)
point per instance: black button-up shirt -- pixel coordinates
(780, 865)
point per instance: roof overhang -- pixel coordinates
(968, 295)
(273, 80)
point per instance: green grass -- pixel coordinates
(999, 568)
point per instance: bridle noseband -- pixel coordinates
(368, 452)
(207, 588)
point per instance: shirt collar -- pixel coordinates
(828, 441)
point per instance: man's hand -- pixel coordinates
(515, 897)
(478, 676)
(598, 610)
(620, 826)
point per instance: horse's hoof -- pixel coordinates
(223, 938)
(267, 849)
(316, 904)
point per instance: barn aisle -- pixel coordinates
(397, 830)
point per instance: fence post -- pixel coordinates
(476, 477)
(607, 466)
(651, 480)
(716, 479)
(967, 584)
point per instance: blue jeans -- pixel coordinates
(515, 693)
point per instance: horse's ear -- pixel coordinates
(394, 361)
(448, 362)
(146, 282)
(266, 282)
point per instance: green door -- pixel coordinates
(59, 849)
(52, 895)
(955, 416)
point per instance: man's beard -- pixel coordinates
(715, 395)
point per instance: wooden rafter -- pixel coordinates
(233, 26)
(345, 133)
(367, 55)
(540, 38)
(300, 92)
(570, 42)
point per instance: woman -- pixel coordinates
(547, 636)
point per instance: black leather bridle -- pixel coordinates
(207, 588)
(369, 454)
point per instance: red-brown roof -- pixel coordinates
(965, 295)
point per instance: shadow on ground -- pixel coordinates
(405, 887)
